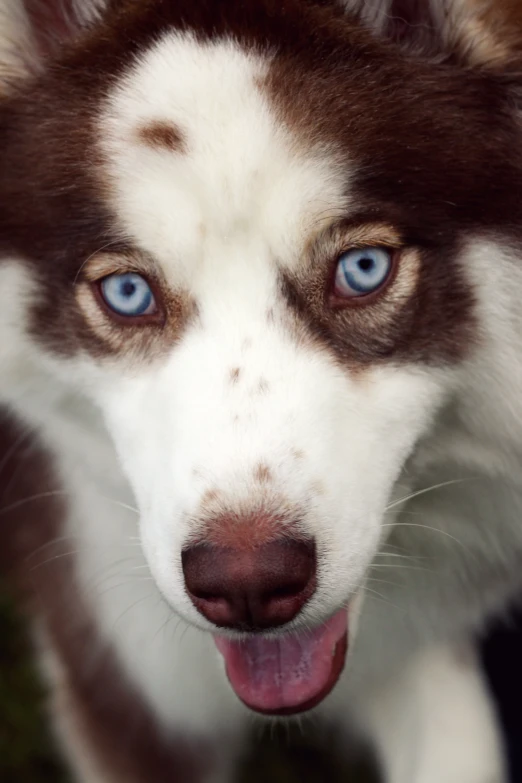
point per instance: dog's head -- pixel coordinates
(245, 225)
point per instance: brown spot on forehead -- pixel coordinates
(161, 135)
(398, 128)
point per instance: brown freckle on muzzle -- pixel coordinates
(162, 135)
(262, 473)
(235, 372)
(263, 386)
(210, 497)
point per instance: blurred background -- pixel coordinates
(27, 754)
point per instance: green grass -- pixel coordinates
(27, 755)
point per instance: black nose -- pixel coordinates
(250, 589)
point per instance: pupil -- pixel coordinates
(366, 264)
(128, 289)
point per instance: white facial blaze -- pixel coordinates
(220, 216)
(238, 172)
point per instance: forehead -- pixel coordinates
(256, 114)
(197, 154)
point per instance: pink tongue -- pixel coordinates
(289, 673)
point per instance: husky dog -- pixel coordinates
(261, 374)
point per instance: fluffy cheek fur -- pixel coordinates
(241, 422)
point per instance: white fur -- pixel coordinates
(218, 219)
(241, 178)
(434, 722)
(253, 191)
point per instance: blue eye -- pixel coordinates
(362, 271)
(128, 295)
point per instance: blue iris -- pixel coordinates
(362, 270)
(128, 294)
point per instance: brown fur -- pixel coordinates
(118, 730)
(428, 147)
(161, 136)
(408, 137)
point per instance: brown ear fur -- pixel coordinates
(477, 33)
(32, 31)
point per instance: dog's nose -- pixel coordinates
(250, 589)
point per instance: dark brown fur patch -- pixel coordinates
(161, 135)
(428, 148)
(116, 725)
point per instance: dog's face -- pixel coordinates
(246, 229)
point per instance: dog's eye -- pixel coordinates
(128, 295)
(362, 271)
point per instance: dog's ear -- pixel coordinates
(33, 31)
(484, 33)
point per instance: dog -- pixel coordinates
(239, 480)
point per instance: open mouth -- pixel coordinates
(287, 674)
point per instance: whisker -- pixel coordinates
(121, 504)
(397, 555)
(373, 580)
(425, 491)
(31, 499)
(378, 596)
(61, 539)
(401, 567)
(433, 529)
(164, 625)
(53, 558)
(13, 450)
(52, 542)
(130, 608)
(94, 589)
